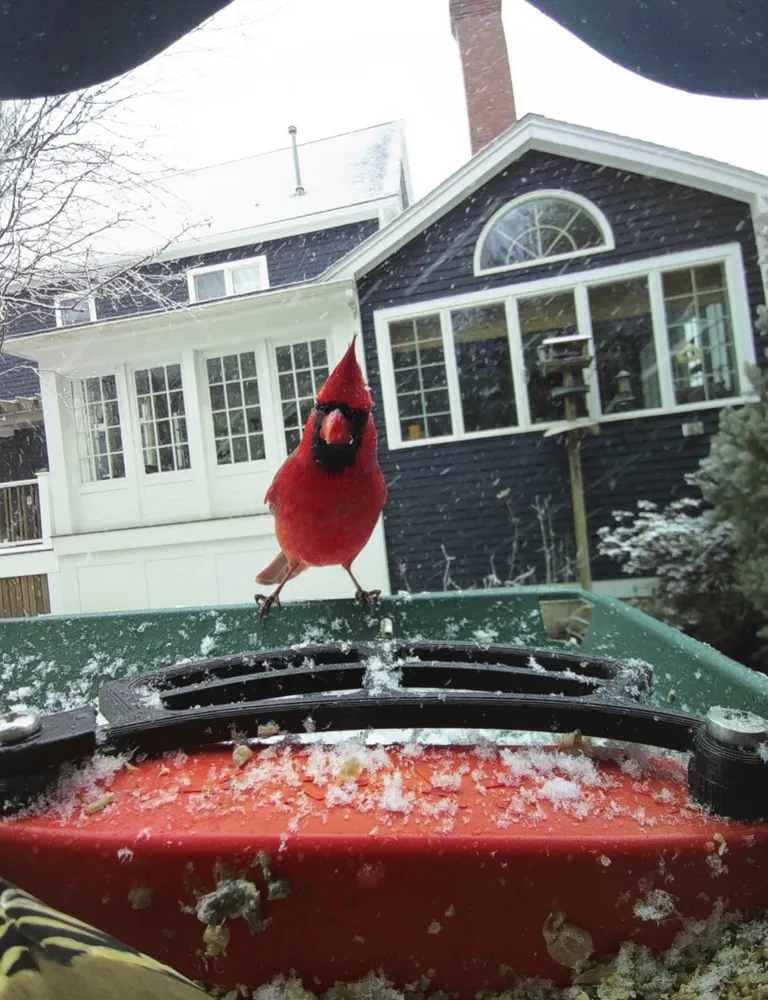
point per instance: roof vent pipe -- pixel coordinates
(292, 133)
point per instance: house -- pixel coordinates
(163, 428)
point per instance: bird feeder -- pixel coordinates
(569, 356)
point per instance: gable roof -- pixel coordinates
(228, 202)
(534, 132)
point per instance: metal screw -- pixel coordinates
(19, 725)
(735, 727)
(387, 628)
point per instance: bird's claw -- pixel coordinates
(368, 597)
(265, 602)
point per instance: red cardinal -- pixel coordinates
(328, 495)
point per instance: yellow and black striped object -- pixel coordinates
(47, 955)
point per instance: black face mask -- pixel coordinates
(334, 458)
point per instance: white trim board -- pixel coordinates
(163, 322)
(534, 132)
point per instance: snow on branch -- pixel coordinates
(68, 179)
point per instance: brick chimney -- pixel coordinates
(477, 27)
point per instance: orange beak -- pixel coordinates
(335, 428)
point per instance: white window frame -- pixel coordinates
(577, 200)
(58, 308)
(161, 476)
(227, 267)
(266, 402)
(286, 340)
(81, 405)
(728, 254)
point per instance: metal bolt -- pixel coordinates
(19, 725)
(735, 727)
(387, 628)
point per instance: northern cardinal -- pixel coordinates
(328, 494)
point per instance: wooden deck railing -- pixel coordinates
(20, 513)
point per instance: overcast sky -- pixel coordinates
(232, 88)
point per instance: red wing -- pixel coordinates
(283, 473)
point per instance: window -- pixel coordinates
(622, 331)
(541, 317)
(233, 389)
(481, 362)
(162, 423)
(420, 378)
(484, 366)
(301, 370)
(666, 334)
(97, 429)
(74, 309)
(700, 334)
(543, 226)
(232, 278)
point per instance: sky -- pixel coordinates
(232, 88)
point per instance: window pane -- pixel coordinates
(485, 368)
(700, 333)
(541, 228)
(283, 357)
(251, 392)
(227, 405)
(142, 382)
(231, 367)
(209, 285)
(256, 445)
(622, 330)
(240, 449)
(174, 376)
(218, 401)
(97, 429)
(234, 394)
(162, 424)
(300, 356)
(246, 279)
(319, 353)
(541, 317)
(419, 366)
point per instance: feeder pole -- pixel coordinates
(577, 490)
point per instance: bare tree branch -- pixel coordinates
(68, 177)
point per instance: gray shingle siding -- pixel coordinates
(18, 378)
(447, 494)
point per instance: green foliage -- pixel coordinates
(734, 480)
(690, 555)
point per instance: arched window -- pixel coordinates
(543, 225)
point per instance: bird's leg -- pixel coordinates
(369, 597)
(265, 601)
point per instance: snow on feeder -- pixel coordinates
(412, 792)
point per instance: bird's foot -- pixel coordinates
(265, 602)
(367, 597)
